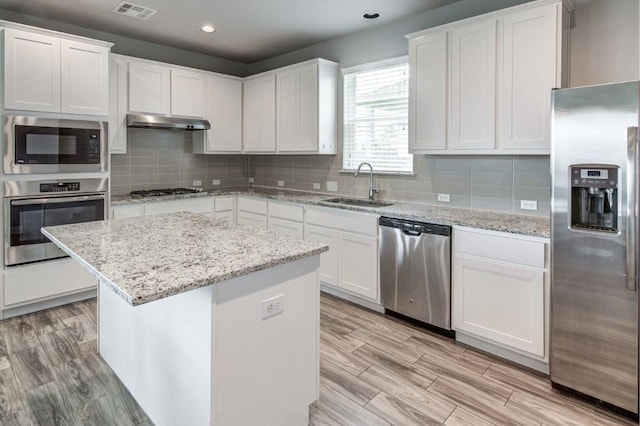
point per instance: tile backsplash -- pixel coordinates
(493, 183)
(162, 158)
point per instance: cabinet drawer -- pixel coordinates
(202, 205)
(121, 212)
(286, 227)
(351, 222)
(224, 204)
(501, 248)
(286, 211)
(252, 205)
(45, 280)
(252, 219)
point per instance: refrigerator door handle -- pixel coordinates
(632, 207)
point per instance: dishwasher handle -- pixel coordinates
(411, 233)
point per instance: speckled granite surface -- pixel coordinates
(511, 223)
(148, 258)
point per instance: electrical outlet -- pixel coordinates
(316, 185)
(251, 180)
(280, 183)
(445, 198)
(197, 183)
(215, 182)
(528, 205)
(332, 186)
(272, 306)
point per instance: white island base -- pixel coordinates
(207, 356)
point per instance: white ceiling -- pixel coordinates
(247, 30)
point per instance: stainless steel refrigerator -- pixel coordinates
(594, 243)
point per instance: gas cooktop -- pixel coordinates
(165, 191)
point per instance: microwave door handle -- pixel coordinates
(632, 208)
(57, 200)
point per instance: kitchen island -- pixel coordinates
(205, 322)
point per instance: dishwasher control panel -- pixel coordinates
(410, 226)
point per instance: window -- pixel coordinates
(376, 115)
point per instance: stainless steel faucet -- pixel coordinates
(372, 190)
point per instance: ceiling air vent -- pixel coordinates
(134, 10)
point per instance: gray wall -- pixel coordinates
(138, 48)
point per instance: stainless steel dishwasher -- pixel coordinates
(415, 270)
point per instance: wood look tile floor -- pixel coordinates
(374, 370)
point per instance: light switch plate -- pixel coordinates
(280, 183)
(251, 180)
(332, 186)
(197, 183)
(215, 182)
(528, 205)
(316, 185)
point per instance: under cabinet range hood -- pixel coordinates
(149, 121)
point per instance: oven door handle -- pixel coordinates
(56, 200)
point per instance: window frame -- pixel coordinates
(370, 66)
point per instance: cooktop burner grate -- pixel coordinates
(165, 191)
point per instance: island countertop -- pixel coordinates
(147, 258)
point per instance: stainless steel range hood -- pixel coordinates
(149, 121)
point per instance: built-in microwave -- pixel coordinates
(49, 145)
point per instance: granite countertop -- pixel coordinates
(512, 223)
(148, 258)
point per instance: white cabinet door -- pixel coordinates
(225, 215)
(297, 109)
(202, 205)
(259, 114)
(358, 265)
(31, 71)
(149, 88)
(224, 112)
(328, 269)
(473, 86)
(287, 110)
(117, 106)
(500, 302)
(428, 90)
(187, 93)
(529, 64)
(85, 78)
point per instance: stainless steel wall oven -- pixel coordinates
(49, 145)
(30, 205)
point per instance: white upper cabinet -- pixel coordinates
(496, 76)
(149, 88)
(117, 105)
(223, 103)
(428, 81)
(306, 108)
(85, 78)
(529, 73)
(259, 114)
(187, 93)
(473, 86)
(50, 74)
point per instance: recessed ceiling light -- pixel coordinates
(207, 28)
(373, 15)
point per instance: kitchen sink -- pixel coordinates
(358, 202)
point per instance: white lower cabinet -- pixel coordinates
(351, 264)
(202, 205)
(252, 212)
(328, 269)
(286, 219)
(224, 208)
(500, 288)
(124, 211)
(43, 281)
